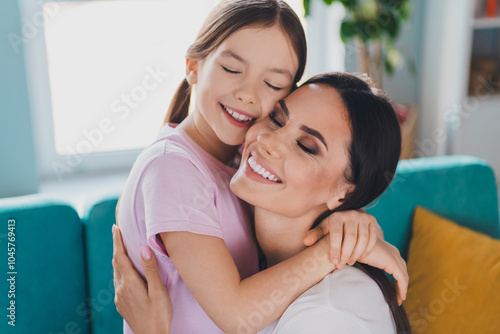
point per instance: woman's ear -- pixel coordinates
(192, 70)
(339, 196)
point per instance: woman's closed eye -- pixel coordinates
(307, 149)
(274, 119)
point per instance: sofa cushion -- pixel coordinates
(48, 260)
(454, 278)
(461, 188)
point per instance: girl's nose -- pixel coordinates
(269, 145)
(246, 93)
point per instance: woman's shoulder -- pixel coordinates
(347, 300)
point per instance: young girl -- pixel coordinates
(247, 56)
(334, 128)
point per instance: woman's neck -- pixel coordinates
(198, 129)
(282, 237)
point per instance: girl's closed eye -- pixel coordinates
(273, 86)
(229, 71)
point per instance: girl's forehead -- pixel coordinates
(263, 43)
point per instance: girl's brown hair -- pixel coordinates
(228, 17)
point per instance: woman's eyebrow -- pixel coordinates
(314, 133)
(283, 106)
(304, 128)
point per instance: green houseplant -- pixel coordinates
(373, 26)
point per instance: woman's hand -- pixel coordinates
(386, 257)
(145, 306)
(353, 234)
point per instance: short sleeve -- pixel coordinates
(178, 196)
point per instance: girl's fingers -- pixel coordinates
(372, 239)
(336, 238)
(313, 236)
(350, 238)
(361, 244)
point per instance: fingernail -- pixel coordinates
(334, 260)
(145, 253)
(113, 229)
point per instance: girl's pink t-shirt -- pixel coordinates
(175, 185)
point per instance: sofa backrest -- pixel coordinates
(53, 246)
(460, 188)
(99, 218)
(48, 261)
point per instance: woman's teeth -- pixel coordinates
(237, 116)
(261, 170)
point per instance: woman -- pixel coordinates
(327, 147)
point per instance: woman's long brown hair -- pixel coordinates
(374, 154)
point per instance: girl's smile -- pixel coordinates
(237, 117)
(241, 81)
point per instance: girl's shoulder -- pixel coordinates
(174, 156)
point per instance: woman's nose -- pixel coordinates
(269, 144)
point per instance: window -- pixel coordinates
(110, 71)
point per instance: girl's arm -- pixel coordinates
(147, 314)
(208, 270)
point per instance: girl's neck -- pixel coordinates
(282, 237)
(197, 128)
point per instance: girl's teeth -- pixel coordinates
(237, 116)
(266, 174)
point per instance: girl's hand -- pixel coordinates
(145, 306)
(352, 235)
(386, 257)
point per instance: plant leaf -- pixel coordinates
(393, 24)
(347, 30)
(367, 30)
(307, 7)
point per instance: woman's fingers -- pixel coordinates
(150, 267)
(118, 248)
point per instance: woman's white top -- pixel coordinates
(346, 301)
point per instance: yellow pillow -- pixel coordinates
(454, 278)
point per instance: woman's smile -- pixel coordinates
(259, 171)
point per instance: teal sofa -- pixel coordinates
(62, 262)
